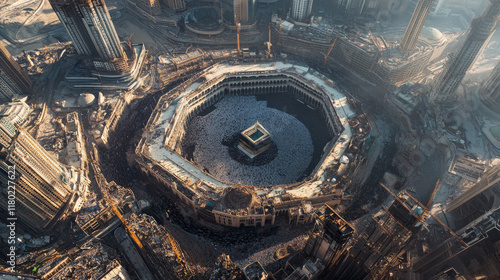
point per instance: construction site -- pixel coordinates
(249, 139)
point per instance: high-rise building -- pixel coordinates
(458, 64)
(93, 34)
(13, 80)
(301, 10)
(480, 235)
(44, 189)
(151, 7)
(246, 11)
(379, 247)
(490, 91)
(415, 26)
(175, 5)
(490, 178)
(330, 238)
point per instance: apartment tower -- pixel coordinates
(93, 34)
(43, 188)
(13, 80)
(415, 26)
(490, 91)
(301, 10)
(458, 64)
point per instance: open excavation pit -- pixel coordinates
(194, 143)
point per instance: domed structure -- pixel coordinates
(85, 99)
(432, 34)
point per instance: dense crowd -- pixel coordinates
(237, 113)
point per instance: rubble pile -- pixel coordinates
(118, 193)
(225, 269)
(156, 241)
(91, 208)
(92, 262)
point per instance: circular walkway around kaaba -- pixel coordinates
(208, 131)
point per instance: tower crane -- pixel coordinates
(330, 50)
(237, 32)
(281, 28)
(432, 195)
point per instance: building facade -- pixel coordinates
(301, 10)
(43, 189)
(175, 5)
(245, 11)
(480, 32)
(13, 80)
(414, 28)
(93, 34)
(151, 7)
(490, 178)
(377, 250)
(490, 91)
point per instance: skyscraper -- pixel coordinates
(175, 5)
(490, 178)
(13, 80)
(458, 64)
(93, 34)
(415, 26)
(490, 91)
(43, 188)
(246, 11)
(378, 249)
(301, 9)
(151, 7)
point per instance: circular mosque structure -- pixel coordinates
(213, 137)
(235, 138)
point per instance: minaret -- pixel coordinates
(490, 91)
(93, 34)
(479, 33)
(415, 26)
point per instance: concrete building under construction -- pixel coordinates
(479, 239)
(481, 30)
(13, 81)
(379, 247)
(353, 50)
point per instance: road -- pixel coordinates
(46, 94)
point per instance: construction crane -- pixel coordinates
(432, 195)
(330, 50)
(174, 247)
(237, 32)
(187, 272)
(101, 181)
(269, 43)
(425, 211)
(281, 28)
(374, 61)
